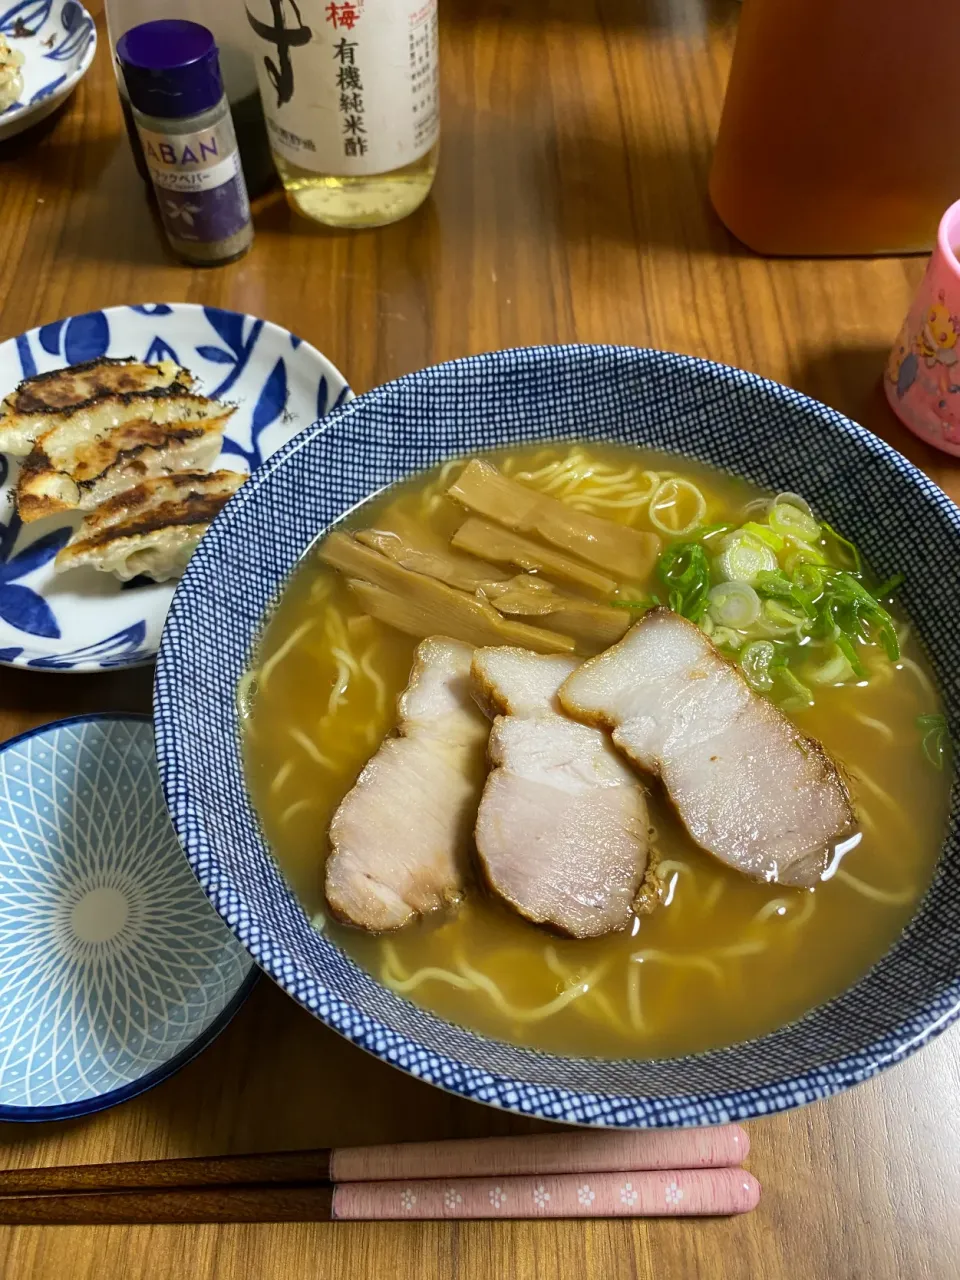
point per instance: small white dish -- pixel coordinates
(85, 620)
(115, 970)
(58, 40)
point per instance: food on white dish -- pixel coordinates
(400, 840)
(11, 78)
(129, 443)
(749, 787)
(76, 466)
(92, 397)
(562, 828)
(151, 529)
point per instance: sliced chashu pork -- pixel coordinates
(749, 787)
(98, 393)
(78, 466)
(400, 840)
(562, 827)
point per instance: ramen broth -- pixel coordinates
(721, 958)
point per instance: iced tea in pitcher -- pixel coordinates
(841, 126)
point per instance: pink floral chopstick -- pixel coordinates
(664, 1193)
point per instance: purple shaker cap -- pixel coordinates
(170, 68)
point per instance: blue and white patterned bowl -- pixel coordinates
(727, 417)
(114, 969)
(85, 620)
(58, 40)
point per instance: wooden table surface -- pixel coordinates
(569, 206)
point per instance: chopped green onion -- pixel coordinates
(712, 530)
(802, 553)
(936, 738)
(764, 534)
(829, 534)
(887, 589)
(792, 580)
(852, 609)
(725, 637)
(756, 662)
(793, 500)
(808, 579)
(776, 585)
(744, 557)
(790, 521)
(778, 620)
(758, 508)
(734, 604)
(684, 569)
(798, 689)
(836, 670)
(845, 645)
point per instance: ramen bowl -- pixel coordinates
(731, 419)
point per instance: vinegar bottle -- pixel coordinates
(840, 131)
(350, 95)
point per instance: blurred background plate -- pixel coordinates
(85, 620)
(58, 40)
(114, 968)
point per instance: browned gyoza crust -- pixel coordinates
(150, 435)
(54, 391)
(79, 464)
(151, 528)
(194, 507)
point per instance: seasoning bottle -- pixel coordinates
(351, 99)
(172, 76)
(228, 22)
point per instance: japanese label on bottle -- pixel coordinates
(348, 86)
(200, 187)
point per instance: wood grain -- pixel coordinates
(570, 205)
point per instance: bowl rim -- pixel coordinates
(636, 1110)
(101, 1101)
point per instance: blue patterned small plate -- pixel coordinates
(58, 40)
(114, 968)
(761, 430)
(85, 620)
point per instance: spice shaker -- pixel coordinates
(227, 19)
(172, 75)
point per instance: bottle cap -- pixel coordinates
(170, 68)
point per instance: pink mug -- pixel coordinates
(922, 379)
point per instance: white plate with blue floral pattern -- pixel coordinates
(85, 620)
(58, 40)
(114, 968)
